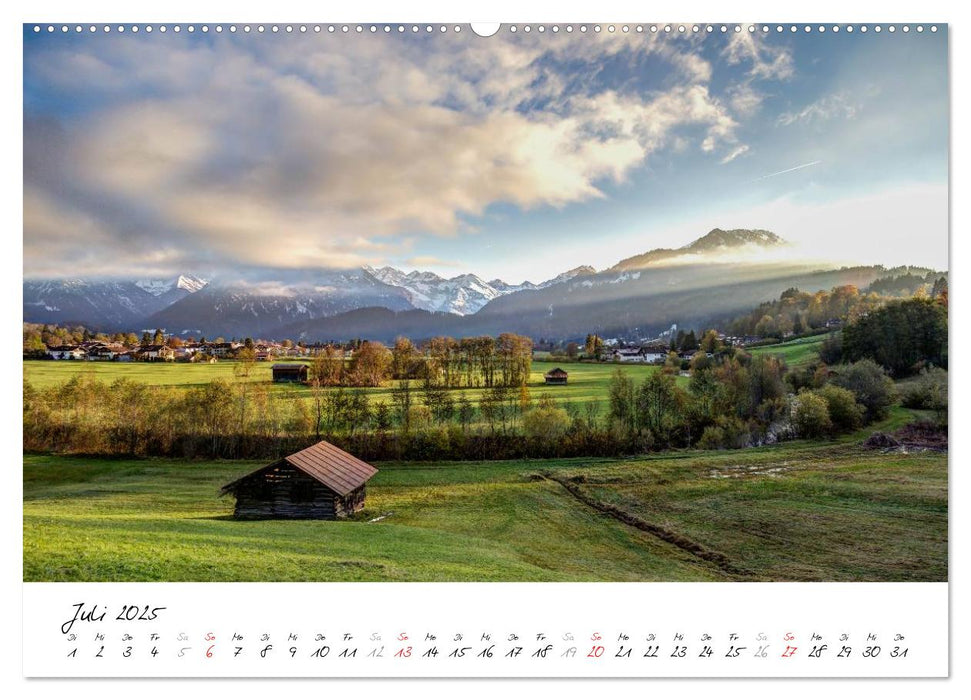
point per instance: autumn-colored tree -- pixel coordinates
(245, 359)
(370, 364)
(593, 347)
(404, 355)
(327, 367)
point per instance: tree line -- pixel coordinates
(729, 402)
(443, 362)
(796, 312)
(251, 420)
(476, 362)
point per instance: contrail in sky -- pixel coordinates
(787, 170)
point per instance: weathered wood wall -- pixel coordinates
(352, 502)
(281, 491)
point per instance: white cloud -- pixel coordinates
(765, 60)
(62, 240)
(880, 227)
(744, 99)
(228, 148)
(734, 153)
(425, 261)
(840, 104)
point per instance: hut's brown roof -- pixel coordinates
(333, 467)
(556, 373)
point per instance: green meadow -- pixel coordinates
(799, 511)
(796, 353)
(587, 383)
(796, 512)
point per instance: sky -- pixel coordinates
(516, 156)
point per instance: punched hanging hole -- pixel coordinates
(485, 29)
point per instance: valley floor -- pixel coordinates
(795, 512)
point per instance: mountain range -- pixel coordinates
(696, 284)
(104, 304)
(462, 295)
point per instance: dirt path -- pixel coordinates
(679, 541)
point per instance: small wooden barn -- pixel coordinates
(555, 376)
(322, 482)
(290, 372)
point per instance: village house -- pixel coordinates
(220, 349)
(190, 352)
(102, 351)
(183, 354)
(321, 482)
(627, 355)
(645, 353)
(155, 353)
(66, 352)
(654, 349)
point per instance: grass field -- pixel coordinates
(796, 353)
(796, 512)
(587, 382)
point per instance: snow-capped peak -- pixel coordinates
(154, 287)
(157, 288)
(190, 283)
(462, 294)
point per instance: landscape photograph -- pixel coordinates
(619, 302)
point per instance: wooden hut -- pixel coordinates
(555, 376)
(292, 372)
(322, 482)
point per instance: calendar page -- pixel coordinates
(548, 349)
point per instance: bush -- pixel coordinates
(810, 415)
(713, 438)
(419, 417)
(546, 423)
(845, 413)
(871, 386)
(928, 392)
(812, 376)
(728, 432)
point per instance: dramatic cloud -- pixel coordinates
(327, 151)
(272, 157)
